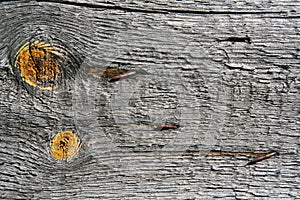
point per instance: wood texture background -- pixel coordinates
(227, 72)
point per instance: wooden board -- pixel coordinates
(227, 73)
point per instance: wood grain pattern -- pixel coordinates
(226, 73)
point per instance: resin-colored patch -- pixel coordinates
(64, 145)
(39, 66)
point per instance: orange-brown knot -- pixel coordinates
(64, 145)
(39, 65)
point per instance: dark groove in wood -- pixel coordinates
(162, 10)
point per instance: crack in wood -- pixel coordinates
(109, 5)
(246, 39)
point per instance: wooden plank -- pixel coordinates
(227, 74)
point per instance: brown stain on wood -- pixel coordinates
(112, 73)
(262, 157)
(118, 77)
(167, 126)
(109, 72)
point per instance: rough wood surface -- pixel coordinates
(227, 73)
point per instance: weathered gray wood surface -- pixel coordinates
(228, 73)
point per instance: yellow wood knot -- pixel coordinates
(64, 145)
(39, 65)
